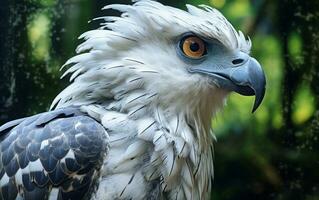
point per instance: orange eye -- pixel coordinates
(193, 47)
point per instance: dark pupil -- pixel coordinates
(194, 47)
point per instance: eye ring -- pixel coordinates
(193, 47)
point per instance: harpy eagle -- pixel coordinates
(135, 121)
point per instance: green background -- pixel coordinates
(272, 154)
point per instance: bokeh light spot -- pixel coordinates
(217, 3)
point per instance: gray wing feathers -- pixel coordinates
(54, 153)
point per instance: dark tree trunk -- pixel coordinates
(13, 52)
(299, 17)
(5, 71)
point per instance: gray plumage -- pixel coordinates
(61, 149)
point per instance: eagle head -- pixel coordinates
(159, 55)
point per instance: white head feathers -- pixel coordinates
(137, 51)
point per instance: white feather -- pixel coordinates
(146, 128)
(4, 180)
(35, 166)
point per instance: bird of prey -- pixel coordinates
(135, 121)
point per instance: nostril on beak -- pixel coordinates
(238, 61)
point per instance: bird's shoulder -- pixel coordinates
(53, 153)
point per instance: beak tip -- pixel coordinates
(258, 99)
(255, 108)
(253, 111)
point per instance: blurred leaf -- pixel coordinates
(38, 33)
(44, 2)
(217, 3)
(303, 105)
(295, 48)
(238, 9)
(295, 44)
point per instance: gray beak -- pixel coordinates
(246, 78)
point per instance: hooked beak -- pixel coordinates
(247, 79)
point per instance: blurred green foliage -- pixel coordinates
(272, 154)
